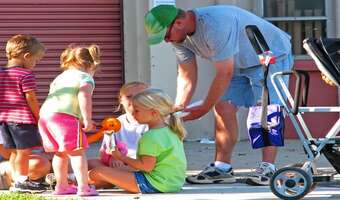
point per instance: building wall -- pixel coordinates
(59, 23)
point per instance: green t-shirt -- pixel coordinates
(63, 94)
(169, 172)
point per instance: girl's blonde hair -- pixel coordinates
(21, 44)
(160, 101)
(87, 58)
(126, 87)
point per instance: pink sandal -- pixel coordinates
(87, 191)
(63, 190)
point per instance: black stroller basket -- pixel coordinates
(327, 52)
(332, 153)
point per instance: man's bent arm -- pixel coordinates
(224, 73)
(186, 82)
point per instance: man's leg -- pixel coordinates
(269, 154)
(225, 139)
(226, 131)
(267, 168)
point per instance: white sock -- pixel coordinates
(222, 166)
(20, 178)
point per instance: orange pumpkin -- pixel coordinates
(110, 125)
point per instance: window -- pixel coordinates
(299, 18)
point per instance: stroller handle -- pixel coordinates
(298, 100)
(256, 39)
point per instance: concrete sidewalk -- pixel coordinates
(244, 158)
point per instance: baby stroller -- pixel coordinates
(297, 181)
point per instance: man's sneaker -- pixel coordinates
(211, 174)
(27, 187)
(262, 175)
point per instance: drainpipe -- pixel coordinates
(337, 31)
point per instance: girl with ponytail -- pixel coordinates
(160, 164)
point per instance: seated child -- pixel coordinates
(161, 161)
(129, 133)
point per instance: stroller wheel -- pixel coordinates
(299, 165)
(290, 183)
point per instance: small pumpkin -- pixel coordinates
(109, 125)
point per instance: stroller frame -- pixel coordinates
(296, 181)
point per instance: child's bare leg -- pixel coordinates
(38, 167)
(79, 166)
(93, 163)
(21, 162)
(60, 165)
(121, 178)
(12, 163)
(100, 184)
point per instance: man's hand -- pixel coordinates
(177, 108)
(195, 112)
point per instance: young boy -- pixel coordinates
(19, 108)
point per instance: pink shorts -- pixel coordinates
(61, 132)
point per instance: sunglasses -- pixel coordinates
(168, 32)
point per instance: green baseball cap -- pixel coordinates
(157, 20)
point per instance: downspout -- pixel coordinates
(337, 31)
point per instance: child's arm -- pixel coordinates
(33, 103)
(85, 105)
(115, 163)
(144, 163)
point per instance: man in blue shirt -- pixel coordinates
(217, 33)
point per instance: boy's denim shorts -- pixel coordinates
(245, 88)
(19, 136)
(143, 184)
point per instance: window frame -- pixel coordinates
(328, 12)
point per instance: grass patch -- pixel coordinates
(23, 196)
(18, 196)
